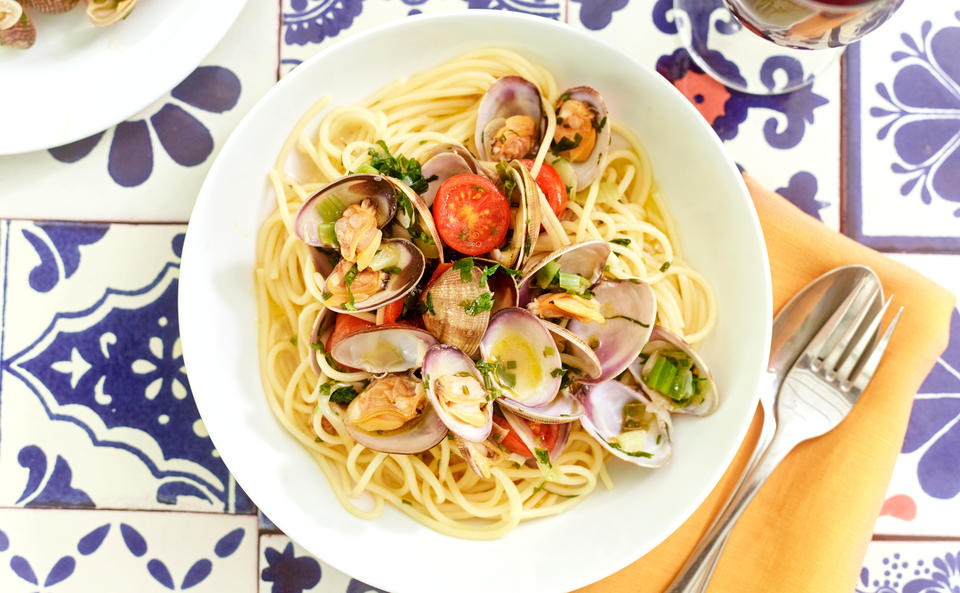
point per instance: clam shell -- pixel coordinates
(508, 96)
(479, 456)
(10, 13)
(421, 223)
(444, 360)
(516, 335)
(449, 321)
(564, 408)
(103, 13)
(525, 226)
(51, 6)
(526, 435)
(21, 35)
(502, 284)
(603, 418)
(334, 198)
(415, 436)
(588, 170)
(587, 259)
(397, 284)
(444, 162)
(384, 349)
(322, 327)
(660, 337)
(573, 346)
(630, 308)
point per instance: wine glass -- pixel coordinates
(731, 39)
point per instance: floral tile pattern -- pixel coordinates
(285, 567)
(910, 567)
(82, 551)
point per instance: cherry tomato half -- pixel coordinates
(551, 184)
(546, 433)
(391, 312)
(471, 214)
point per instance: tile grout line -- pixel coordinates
(3, 300)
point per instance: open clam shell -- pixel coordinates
(10, 13)
(507, 97)
(502, 284)
(574, 352)
(586, 259)
(443, 163)
(480, 457)
(564, 408)
(399, 279)
(530, 441)
(526, 357)
(314, 223)
(443, 366)
(414, 221)
(586, 167)
(322, 327)
(527, 217)
(51, 6)
(384, 349)
(417, 435)
(630, 310)
(448, 319)
(646, 439)
(696, 395)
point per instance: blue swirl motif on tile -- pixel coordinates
(184, 138)
(726, 109)
(801, 190)
(545, 8)
(937, 575)
(57, 492)
(313, 21)
(922, 109)
(198, 571)
(58, 246)
(934, 427)
(64, 567)
(121, 361)
(288, 572)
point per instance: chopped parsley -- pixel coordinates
(511, 364)
(557, 372)
(318, 346)
(506, 178)
(399, 167)
(482, 303)
(465, 266)
(548, 351)
(406, 502)
(665, 266)
(630, 453)
(566, 144)
(428, 302)
(491, 270)
(599, 125)
(343, 395)
(348, 279)
(293, 340)
(624, 241)
(543, 456)
(317, 440)
(391, 270)
(630, 319)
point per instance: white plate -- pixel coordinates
(610, 529)
(79, 79)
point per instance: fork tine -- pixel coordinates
(838, 353)
(862, 378)
(816, 347)
(855, 354)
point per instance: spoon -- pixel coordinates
(793, 328)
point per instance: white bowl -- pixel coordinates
(720, 237)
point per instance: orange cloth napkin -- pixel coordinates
(808, 528)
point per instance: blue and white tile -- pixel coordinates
(910, 567)
(904, 111)
(286, 567)
(924, 492)
(150, 167)
(95, 406)
(311, 25)
(83, 551)
(788, 142)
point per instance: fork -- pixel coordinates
(817, 393)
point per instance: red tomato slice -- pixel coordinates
(392, 311)
(441, 268)
(546, 433)
(344, 326)
(471, 214)
(551, 184)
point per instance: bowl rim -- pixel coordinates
(616, 562)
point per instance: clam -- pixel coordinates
(627, 423)
(103, 13)
(524, 201)
(456, 390)
(574, 352)
(582, 135)
(672, 373)
(51, 6)
(414, 221)
(521, 358)
(562, 409)
(451, 312)
(10, 13)
(391, 416)
(322, 327)
(585, 259)
(21, 35)
(531, 442)
(480, 457)
(502, 284)
(316, 220)
(510, 120)
(384, 349)
(446, 161)
(394, 271)
(629, 308)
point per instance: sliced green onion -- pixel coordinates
(665, 381)
(367, 168)
(547, 273)
(654, 377)
(574, 283)
(327, 233)
(330, 208)
(681, 388)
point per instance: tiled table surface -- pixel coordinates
(107, 475)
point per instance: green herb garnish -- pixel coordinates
(482, 303)
(665, 266)
(399, 167)
(630, 319)
(566, 144)
(465, 266)
(343, 395)
(621, 241)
